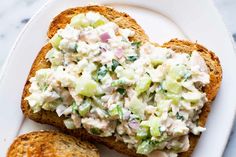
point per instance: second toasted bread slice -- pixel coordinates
(50, 143)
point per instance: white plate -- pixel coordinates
(162, 20)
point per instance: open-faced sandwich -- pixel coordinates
(100, 79)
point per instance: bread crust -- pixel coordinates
(121, 19)
(50, 144)
(47, 117)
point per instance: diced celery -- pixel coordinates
(176, 72)
(36, 108)
(55, 41)
(154, 130)
(98, 102)
(174, 97)
(137, 106)
(125, 73)
(156, 61)
(192, 96)
(85, 108)
(172, 86)
(119, 82)
(50, 106)
(145, 147)
(143, 84)
(79, 21)
(86, 86)
(98, 23)
(176, 146)
(142, 133)
(69, 123)
(152, 123)
(116, 111)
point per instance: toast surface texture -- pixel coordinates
(50, 144)
(51, 118)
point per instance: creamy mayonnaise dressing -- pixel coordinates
(146, 96)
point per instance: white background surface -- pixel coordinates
(15, 13)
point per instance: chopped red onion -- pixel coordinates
(134, 124)
(104, 37)
(119, 53)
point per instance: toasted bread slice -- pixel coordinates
(61, 20)
(50, 144)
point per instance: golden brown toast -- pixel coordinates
(50, 144)
(124, 21)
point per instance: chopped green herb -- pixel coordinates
(121, 91)
(102, 71)
(136, 43)
(178, 116)
(115, 64)
(95, 131)
(132, 58)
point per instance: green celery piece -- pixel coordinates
(145, 147)
(153, 125)
(79, 21)
(55, 41)
(98, 23)
(142, 133)
(97, 102)
(137, 106)
(69, 123)
(116, 111)
(143, 84)
(87, 86)
(84, 108)
(172, 86)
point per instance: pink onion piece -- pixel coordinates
(104, 37)
(134, 124)
(119, 53)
